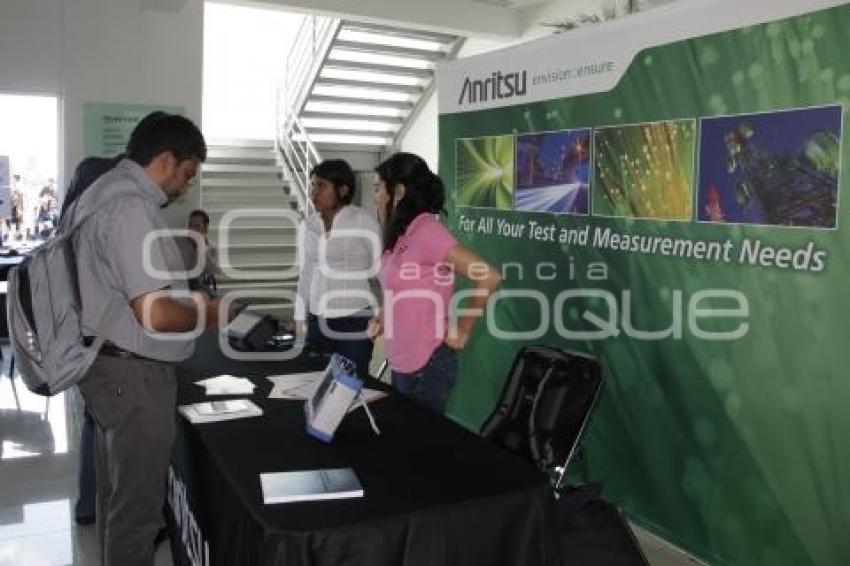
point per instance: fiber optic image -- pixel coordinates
(778, 168)
(645, 170)
(553, 172)
(485, 172)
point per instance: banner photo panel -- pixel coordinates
(773, 168)
(485, 172)
(667, 193)
(645, 170)
(553, 172)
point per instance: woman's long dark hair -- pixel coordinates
(424, 192)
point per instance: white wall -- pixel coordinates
(245, 51)
(423, 134)
(459, 17)
(422, 138)
(532, 18)
(121, 51)
(29, 46)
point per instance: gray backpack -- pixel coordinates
(43, 306)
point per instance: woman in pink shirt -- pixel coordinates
(418, 264)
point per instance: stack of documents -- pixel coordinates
(310, 485)
(215, 411)
(227, 385)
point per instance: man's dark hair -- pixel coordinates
(339, 173)
(200, 213)
(168, 132)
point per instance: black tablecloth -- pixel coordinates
(435, 494)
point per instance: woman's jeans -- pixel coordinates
(433, 383)
(351, 340)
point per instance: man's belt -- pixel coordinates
(113, 351)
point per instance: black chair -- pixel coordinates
(545, 405)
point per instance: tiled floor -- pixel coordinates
(38, 474)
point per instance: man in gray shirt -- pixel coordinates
(132, 293)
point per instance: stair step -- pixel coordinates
(258, 266)
(358, 144)
(376, 87)
(242, 143)
(393, 121)
(265, 227)
(291, 278)
(263, 162)
(235, 168)
(279, 212)
(264, 285)
(228, 195)
(258, 245)
(378, 69)
(371, 102)
(222, 202)
(248, 223)
(279, 295)
(326, 147)
(373, 137)
(378, 29)
(393, 51)
(242, 238)
(236, 199)
(245, 208)
(240, 182)
(249, 153)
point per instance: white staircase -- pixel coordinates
(352, 90)
(251, 223)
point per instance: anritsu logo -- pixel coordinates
(497, 85)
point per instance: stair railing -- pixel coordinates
(297, 153)
(305, 59)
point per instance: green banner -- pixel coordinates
(685, 227)
(107, 127)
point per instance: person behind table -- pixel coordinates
(199, 222)
(17, 204)
(420, 255)
(46, 213)
(338, 238)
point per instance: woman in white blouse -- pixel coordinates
(340, 250)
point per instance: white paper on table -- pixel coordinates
(229, 390)
(209, 415)
(227, 385)
(222, 379)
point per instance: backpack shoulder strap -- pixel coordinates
(96, 197)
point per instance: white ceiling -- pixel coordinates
(496, 19)
(485, 18)
(516, 4)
